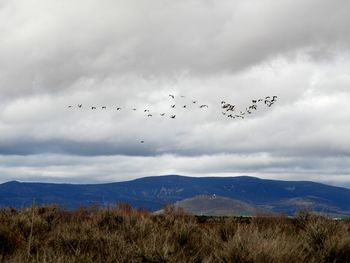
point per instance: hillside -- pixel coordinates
(219, 206)
(154, 192)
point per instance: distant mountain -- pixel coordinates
(154, 192)
(213, 205)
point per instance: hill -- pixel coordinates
(218, 206)
(154, 192)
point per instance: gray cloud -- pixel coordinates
(52, 46)
(134, 53)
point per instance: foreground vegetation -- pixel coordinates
(121, 234)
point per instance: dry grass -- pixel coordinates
(122, 234)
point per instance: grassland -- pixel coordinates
(122, 234)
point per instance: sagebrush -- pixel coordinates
(123, 234)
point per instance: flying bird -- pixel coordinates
(104, 107)
(162, 114)
(172, 96)
(146, 111)
(173, 106)
(70, 106)
(80, 105)
(194, 102)
(149, 115)
(93, 108)
(202, 106)
(119, 108)
(173, 116)
(142, 141)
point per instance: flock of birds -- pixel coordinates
(147, 111)
(229, 110)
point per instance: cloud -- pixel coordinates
(77, 169)
(51, 46)
(133, 54)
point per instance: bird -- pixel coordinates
(172, 96)
(146, 111)
(142, 141)
(149, 115)
(194, 102)
(70, 106)
(184, 106)
(182, 96)
(202, 106)
(230, 107)
(133, 109)
(104, 107)
(253, 101)
(80, 105)
(93, 108)
(173, 106)
(162, 114)
(173, 116)
(118, 108)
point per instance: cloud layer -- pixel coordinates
(133, 54)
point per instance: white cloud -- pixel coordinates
(134, 53)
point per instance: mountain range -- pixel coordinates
(154, 192)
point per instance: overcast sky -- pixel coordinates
(134, 53)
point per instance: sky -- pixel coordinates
(134, 53)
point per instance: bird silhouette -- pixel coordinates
(173, 106)
(149, 115)
(118, 108)
(80, 105)
(202, 106)
(70, 106)
(104, 107)
(93, 108)
(142, 141)
(146, 111)
(162, 114)
(194, 102)
(173, 116)
(172, 96)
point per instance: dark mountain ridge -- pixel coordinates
(154, 192)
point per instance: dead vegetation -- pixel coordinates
(123, 234)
